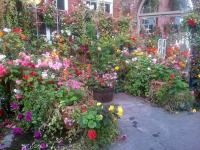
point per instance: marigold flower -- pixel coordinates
(119, 111)
(91, 134)
(111, 108)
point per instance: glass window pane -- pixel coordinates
(94, 5)
(107, 8)
(61, 4)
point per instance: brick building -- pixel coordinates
(145, 16)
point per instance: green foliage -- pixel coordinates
(11, 44)
(39, 100)
(175, 97)
(90, 119)
(68, 97)
(138, 77)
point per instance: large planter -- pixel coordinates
(103, 95)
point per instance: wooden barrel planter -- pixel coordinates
(103, 95)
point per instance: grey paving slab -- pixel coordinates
(152, 128)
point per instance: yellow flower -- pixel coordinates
(118, 51)
(199, 75)
(111, 108)
(117, 68)
(119, 111)
(194, 110)
(99, 104)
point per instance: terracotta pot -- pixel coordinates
(104, 95)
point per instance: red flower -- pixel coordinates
(191, 22)
(33, 74)
(133, 38)
(83, 108)
(25, 77)
(185, 53)
(16, 30)
(171, 76)
(91, 134)
(1, 112)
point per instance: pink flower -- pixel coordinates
(66, 63)
(18, 82)
(73, 84)
(56, 65)
(2, 70)
(18, 96)
(41, 63)
(59, 83)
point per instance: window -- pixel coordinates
(95, 4)
(42, 29)
(107, 7)
(61, 4)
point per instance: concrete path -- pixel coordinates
(152, 128)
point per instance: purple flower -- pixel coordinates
(25, 147)
(16, 131)
(84, 48)
(19, 116)
(14, 105)
(43, 145)
(37, 135)
(28, 116)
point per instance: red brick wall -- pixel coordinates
(116, 8)
(72, 4)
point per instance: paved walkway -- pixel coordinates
(152, 128)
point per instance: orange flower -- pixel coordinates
(23, 37)
(1, 33)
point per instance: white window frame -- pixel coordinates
(48, 30)
(104, 2)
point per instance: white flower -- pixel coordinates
(2, 57)
(7, 30)
(154, 60)
(17, 91)
(149, 68)
(44, 75)
(62, 31)
(134, 59)
(68, 32)
(53, 76)
(127, 61)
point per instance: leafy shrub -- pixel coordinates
(173, 96)
(138, 77)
